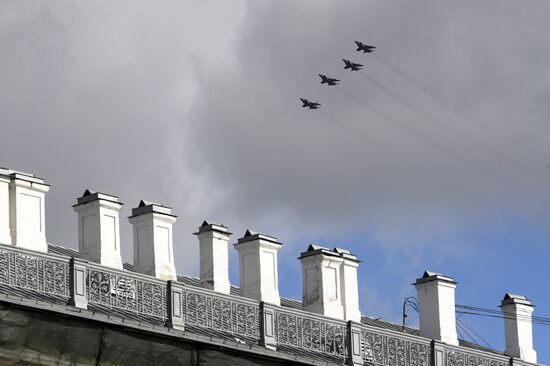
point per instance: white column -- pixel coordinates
(350, 285)
(153, 245)
(322, 284)
(436, 298)
(99, 228)
(26, 202)
(5, 234)
(258, 267)
(518, 328)
(214, 260)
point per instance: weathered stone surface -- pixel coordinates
(212, 357)
(131, 348)
(33, 338)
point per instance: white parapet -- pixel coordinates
(350, 285)
(258, 267)
(322, 284)
(153, 245)
(214, 260)
(5, 234)
(99, 228)
(436, 298)
(26, 211)
(518, 328)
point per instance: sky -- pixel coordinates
(433, 157)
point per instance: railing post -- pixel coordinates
(175, 313)
(353, 344)
(79, 297)
(438, 353)
(267, 326)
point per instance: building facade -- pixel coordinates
(60, 306)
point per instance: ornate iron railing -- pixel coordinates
(208, 309)
(85, 283)
(459, 356)
(126, 291)
(310, 331)
(48, 274)
(381, 347)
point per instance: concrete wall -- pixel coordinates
(30, 337)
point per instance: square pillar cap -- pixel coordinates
(433, 276)
(250, 235)
(314, 249)
(90, 196)
(208, 226)
(15, 174)
(511, 299)
(145, 207)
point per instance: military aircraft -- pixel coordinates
(364, 47)
(352, 66)
(327, 80)
(308, 104)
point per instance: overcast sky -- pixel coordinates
(435, 156)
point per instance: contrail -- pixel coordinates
(426, 139)
(479, 125)
(453, 131)
(345, 128)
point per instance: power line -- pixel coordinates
(491, 313)
(465, 324)
(459, 326)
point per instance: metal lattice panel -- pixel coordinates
(220, 313)
(126, 292)
(310, 333)
(384, 349)
(459, 358)
(44, 274)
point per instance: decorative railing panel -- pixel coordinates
(212, 310)
(126, 291)
(310, 332)
(56, 275)
(456, 356)
(385, 348)
(42, 273)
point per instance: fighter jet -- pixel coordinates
(364, 47)
(327, 80)
(308, 104)
(352, 66)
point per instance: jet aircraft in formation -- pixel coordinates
(327, 80)
(364, 47)
(308, 104)
(331, 82)
(352, 66)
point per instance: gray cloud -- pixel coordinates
(476, 71)
(195, 105)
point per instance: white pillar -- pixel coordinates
(350, 285)
(5, 235)
(26, 202)
(518, 328)
(436, 298)
(322, 285)
(258, 267)
(214, 260)
(153, 246)
(99, 228)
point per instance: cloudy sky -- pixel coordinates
(435, 156)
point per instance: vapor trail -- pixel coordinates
(426, 139)
(419, 86)
(451, 130)
(345, 128)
